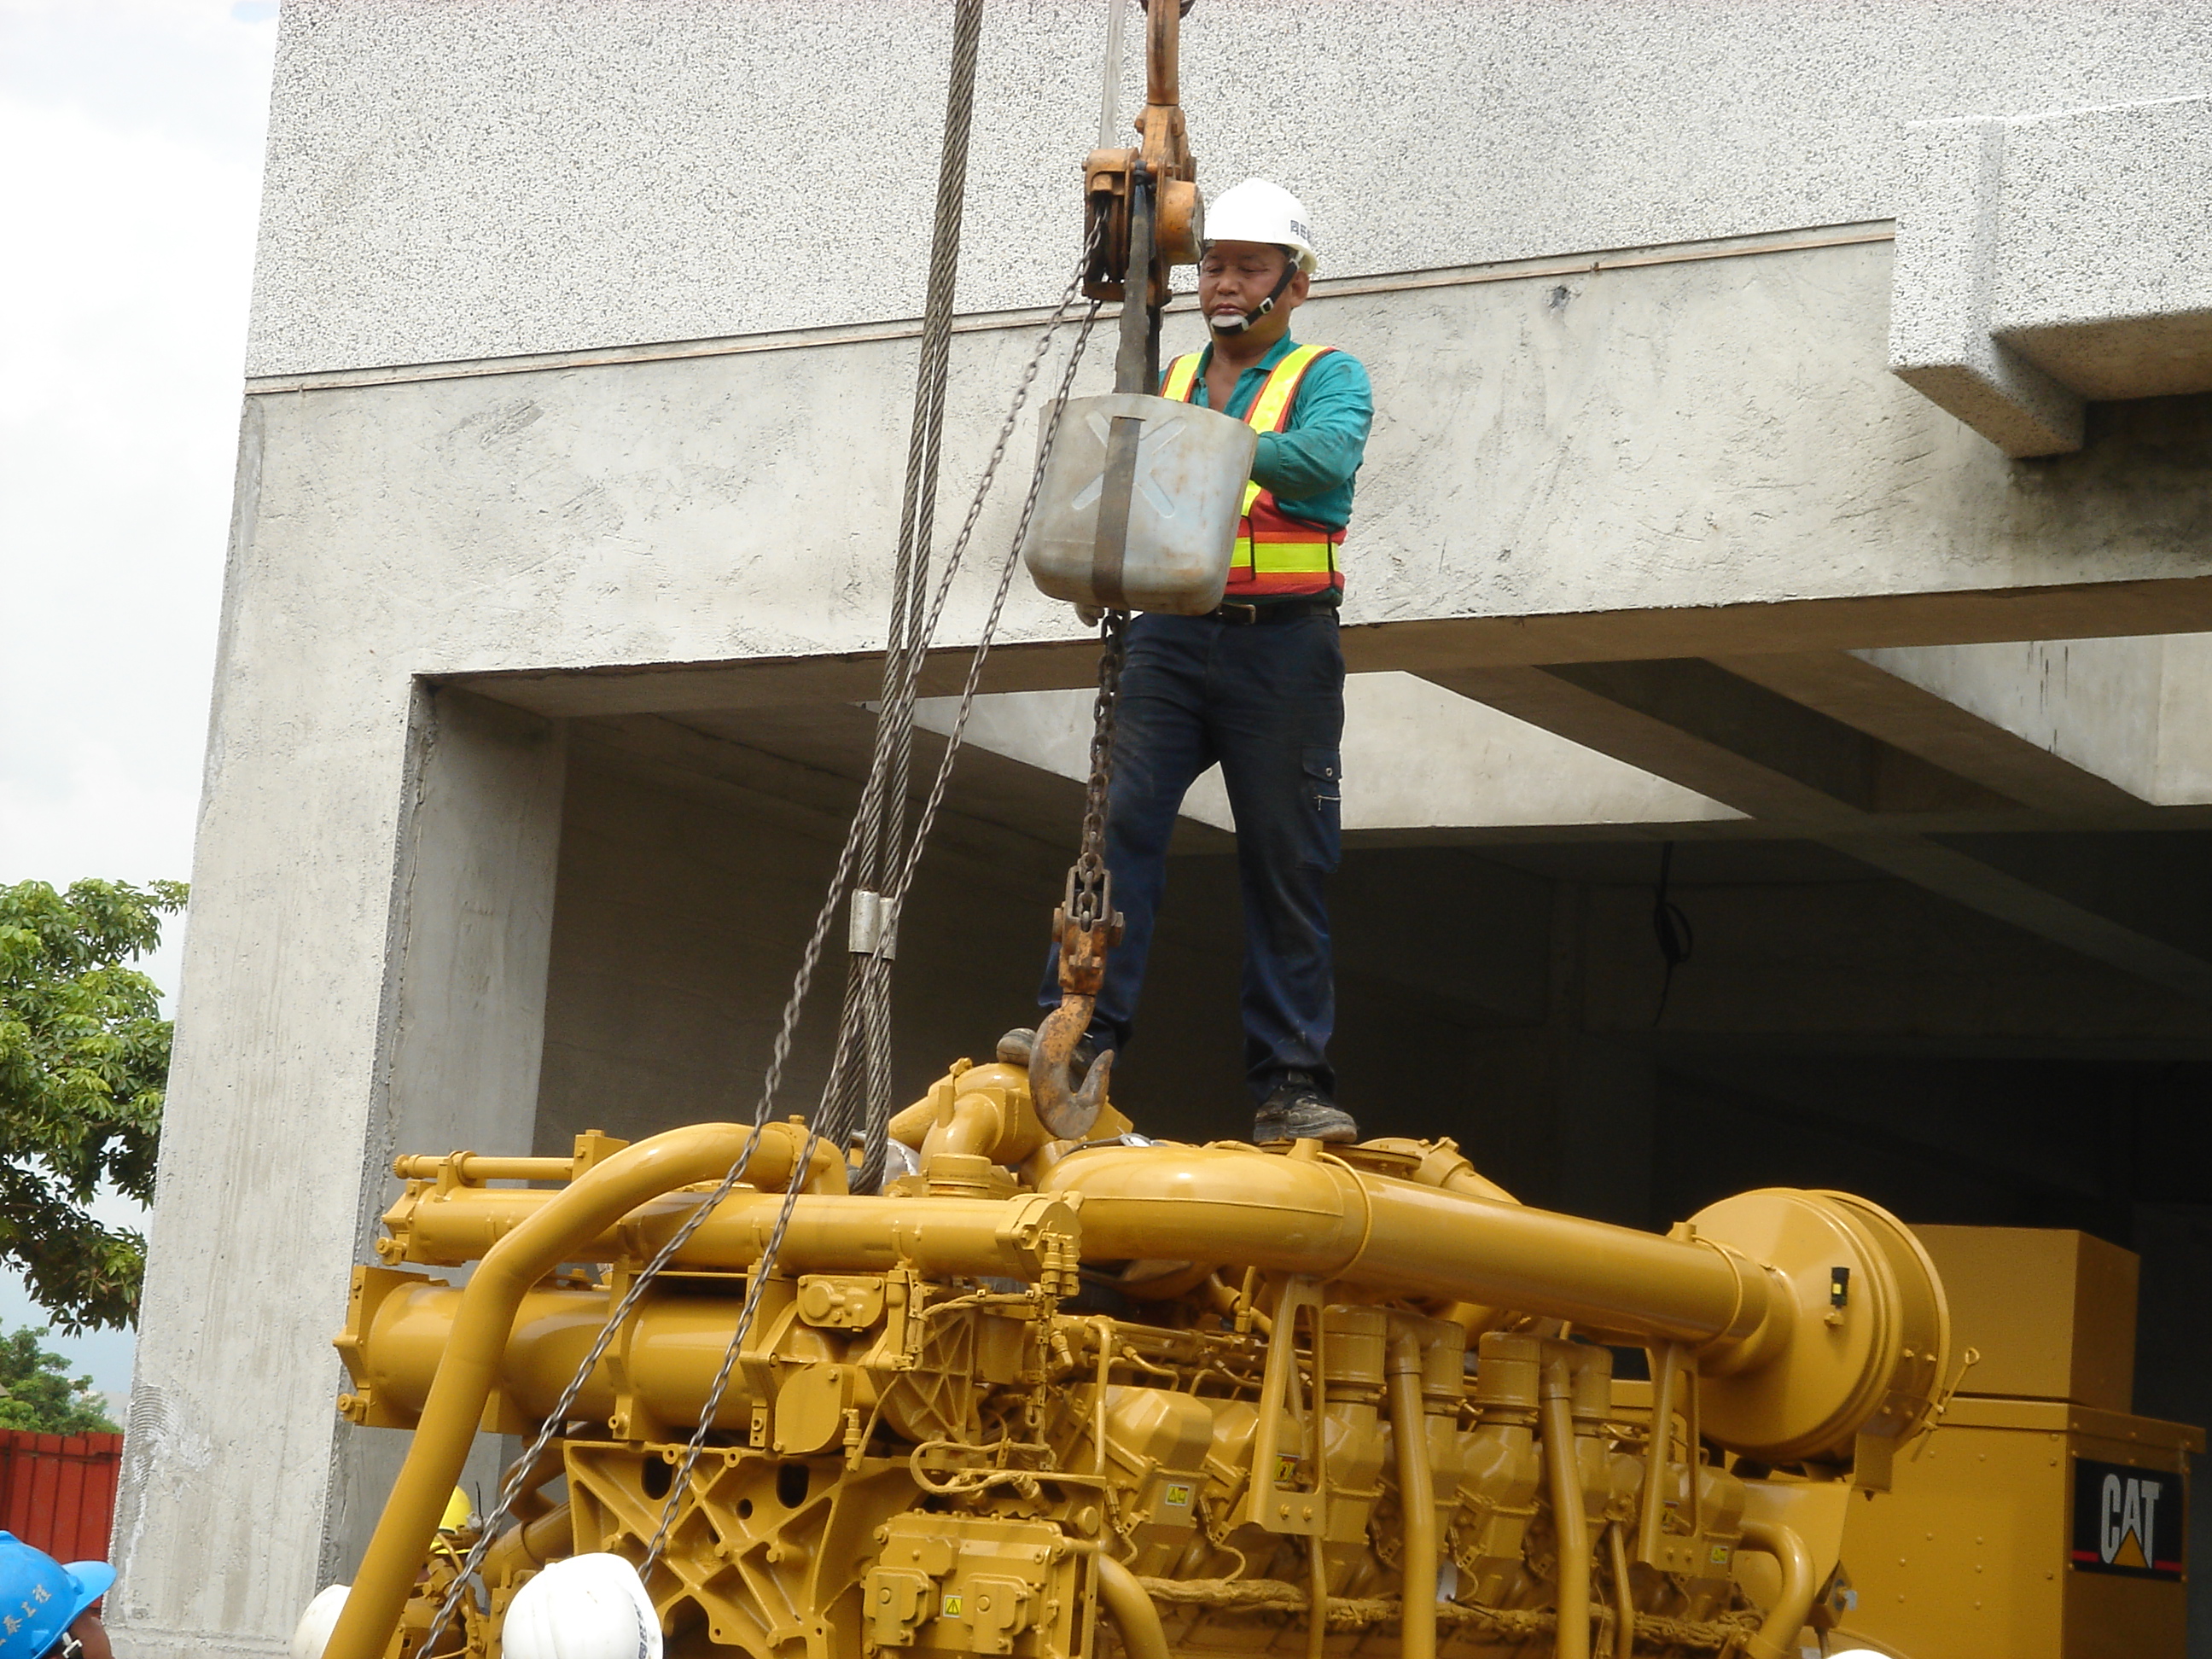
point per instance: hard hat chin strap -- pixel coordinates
(1250, 317)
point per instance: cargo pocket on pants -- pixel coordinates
(1324, 791)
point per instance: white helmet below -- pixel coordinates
(1258, 211)
(588, 1607)
(313, 1633)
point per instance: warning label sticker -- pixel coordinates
(2127, 1521)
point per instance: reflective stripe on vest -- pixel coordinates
(1277, 556)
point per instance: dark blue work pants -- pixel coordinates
(1266, 701)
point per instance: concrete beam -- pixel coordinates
(2048, 259)
(2127, 710)
(1911, 718)
(1543, 516)
(1709, 730)
(1745, 746)
(1981, 886)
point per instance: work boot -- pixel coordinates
(1297, 1109)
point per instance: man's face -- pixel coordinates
(1235, 277)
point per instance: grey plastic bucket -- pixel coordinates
(1140, 504)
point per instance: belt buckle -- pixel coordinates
(1242, 615)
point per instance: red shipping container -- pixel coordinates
(58, 1492)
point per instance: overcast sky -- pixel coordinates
(133, 133)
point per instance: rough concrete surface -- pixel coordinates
(2050, 259)
(456, 182)
(1683, 438)
(2131, 710)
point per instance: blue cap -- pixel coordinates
(40, 1598)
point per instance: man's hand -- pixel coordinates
(1090, 614)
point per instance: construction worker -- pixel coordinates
(1256, 686)
(45, 1609)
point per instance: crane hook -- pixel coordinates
(1088, 927)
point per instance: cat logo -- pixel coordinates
(2126, 1521)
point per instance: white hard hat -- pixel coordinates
(1258, 211)
(588, 1607)
(313, 1633)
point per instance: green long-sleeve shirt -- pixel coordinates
(1310, 464)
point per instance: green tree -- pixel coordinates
(37, 1392)
(84, 1055)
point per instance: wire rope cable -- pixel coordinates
(867, 1070)
(832, 1117)
(877, 968)
(876, 855)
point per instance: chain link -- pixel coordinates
(1090, 882)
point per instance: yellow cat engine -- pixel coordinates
(1056, 1399)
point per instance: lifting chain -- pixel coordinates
(1086, 926)
(1089, 884)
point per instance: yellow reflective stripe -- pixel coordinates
(1293, 558)
(1251, 494)
(1266, 411)
(1183, 375)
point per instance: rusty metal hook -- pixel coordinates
(1068, 1111)
(1088, 928)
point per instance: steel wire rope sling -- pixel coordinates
(864, 1074)
(825, 1128)
(833, 1116)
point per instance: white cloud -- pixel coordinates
(134, 130)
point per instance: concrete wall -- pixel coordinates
(456, 182)
(346, 1001)
(2049, 258)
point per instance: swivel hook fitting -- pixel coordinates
(1087, 927)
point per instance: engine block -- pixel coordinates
(1056, 1400)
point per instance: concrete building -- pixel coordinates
(1794, 448)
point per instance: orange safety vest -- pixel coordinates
(1277, 556)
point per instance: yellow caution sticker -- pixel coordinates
(1286, 1469)
(953, 1605)
(1177, 1498)
(1720, 1555)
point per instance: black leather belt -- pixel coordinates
(1244, 615)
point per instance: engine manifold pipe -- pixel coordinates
(471, 1363)
(1570, 1521)
(1319, 1218)
(1417, 1496)
(1223, 1206)
(1136, 1620)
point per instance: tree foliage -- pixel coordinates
(37, 1393)
(84, 1055)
